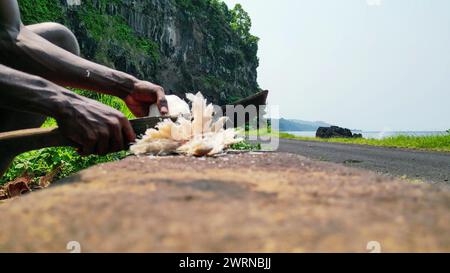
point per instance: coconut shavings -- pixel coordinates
(193, 135)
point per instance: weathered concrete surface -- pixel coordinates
(247, 202)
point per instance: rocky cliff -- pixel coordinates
(183, 45)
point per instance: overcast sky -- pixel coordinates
(363, 64)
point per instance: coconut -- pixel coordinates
(194, 133)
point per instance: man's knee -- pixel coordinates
(59, 35)
(65, 38)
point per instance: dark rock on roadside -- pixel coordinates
(335, 131)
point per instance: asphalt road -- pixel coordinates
(431, 167)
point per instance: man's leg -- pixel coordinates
(17, 120)
(58, 35)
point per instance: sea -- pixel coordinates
(378, 134)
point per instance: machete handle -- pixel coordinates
(16, 142)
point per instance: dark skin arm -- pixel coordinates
(22, 50)
(40, 57)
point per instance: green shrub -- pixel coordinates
(246, 146)
(41, 162)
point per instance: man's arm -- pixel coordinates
(30, 93)
(95, 127)
(40, 57)
(33, 54)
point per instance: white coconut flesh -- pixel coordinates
(194, 133)
(176, 105)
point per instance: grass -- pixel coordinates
(40, 162)
(246, 146)
(440, 143)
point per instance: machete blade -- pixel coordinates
(140, 125)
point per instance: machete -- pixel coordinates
(16, 142)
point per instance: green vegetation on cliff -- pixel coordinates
(39, 11)
(98, 23)
(228, 48)
(218, 17)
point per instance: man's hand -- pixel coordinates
(96, 128)
(144, 95)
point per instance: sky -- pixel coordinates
(362, 64)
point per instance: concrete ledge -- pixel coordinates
(247, 202)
